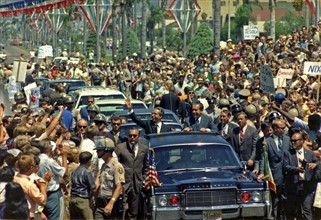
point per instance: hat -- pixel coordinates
(200, 80)
(274, 115)
(229, 40)
(236, 56)
(134, 54)
(103, 143)
(244, 92)
(211, 101)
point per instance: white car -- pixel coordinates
(3, 56)
(98, 93)
(109, 106)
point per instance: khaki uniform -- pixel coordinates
(111, 174)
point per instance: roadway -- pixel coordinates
(13, 53)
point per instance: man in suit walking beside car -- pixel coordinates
(301, 167)
(276, 146)
(133, 155)
(153, 126)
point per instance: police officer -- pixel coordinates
(109, 181)
(101, 122)
(20, 100)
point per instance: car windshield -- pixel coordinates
(194, 156)
(147, 116)
(84, 99)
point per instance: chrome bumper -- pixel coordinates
(228, 211)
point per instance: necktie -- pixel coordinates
(197, 125)
(280, 145)
(133, 150)
(116, 138)
(241, 135)
(300, 159)
(157, 128)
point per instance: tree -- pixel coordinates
(243, 16)
(288, 21)
(132, 44)
(216, 4)
(202, 41)
(144, 29)
(155, 18)
(173, 38)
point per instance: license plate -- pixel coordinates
(212, 215)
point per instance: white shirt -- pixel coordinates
(300, 155)
(159, 127)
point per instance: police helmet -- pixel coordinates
(273, 116)
(251, 110)
(69, 99)
(100, 117)
(279, 97)
(224, 103)
(18, 95)
(236, 108)
(294, 112)
(103, 143)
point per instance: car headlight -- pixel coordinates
(257, 196)
(162, 201)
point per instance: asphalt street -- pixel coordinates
(13, 53)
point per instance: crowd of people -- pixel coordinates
(64, 163)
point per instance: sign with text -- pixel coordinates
(250, 32)
(45, 51)
(312, 68)
(285, 73)
(267, 84)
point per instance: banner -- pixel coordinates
(250, 32)
(312, 68)
(4, 99)
(181, 11)
(34, 99)
(267, 84)
(89, 9)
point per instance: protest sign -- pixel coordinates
(20, 70)
(285, 73)
(250, 32)
(28, 89)
(267, 84)
(34, 99)
(4, 99)
(312, 68)
(45, 51)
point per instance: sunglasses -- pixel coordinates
(295, 140)
(79, 126)
(132, 135)
(191, 93)
(116, 124)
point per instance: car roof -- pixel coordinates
(117, 101)
(185, 138)
(97, 90)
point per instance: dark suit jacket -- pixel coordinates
(121, 137)
(206, 122)
(275, 159)
(149, 126)
(247, 149)
(230, 128)
(135, 168)
(290, 163)
(170, 101)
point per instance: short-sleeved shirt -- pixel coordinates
(82, 182)
(49, 164)
(32, 192)
(111, 174)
